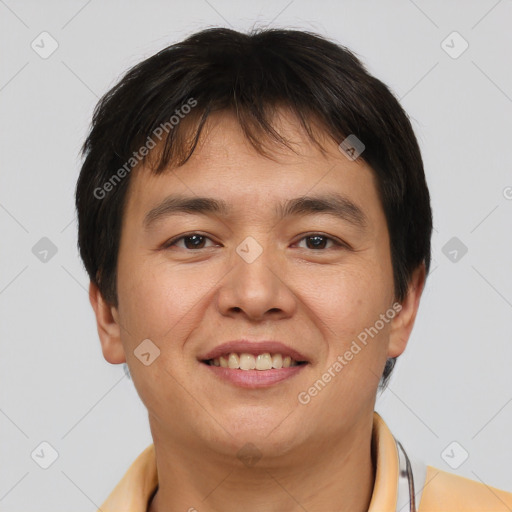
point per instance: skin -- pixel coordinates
(187, 301)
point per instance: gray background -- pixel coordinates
(454, 381)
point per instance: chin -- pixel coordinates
(267, 432)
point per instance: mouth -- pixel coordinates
(253, 364)
(246, 361)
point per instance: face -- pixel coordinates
(302, 279)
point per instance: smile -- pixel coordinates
(261, 362)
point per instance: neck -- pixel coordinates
(324, 475)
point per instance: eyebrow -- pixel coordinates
(333, 204)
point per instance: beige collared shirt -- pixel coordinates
(421, 489)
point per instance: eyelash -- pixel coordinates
(336, 243)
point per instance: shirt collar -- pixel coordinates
(133, 492)
(385, 489)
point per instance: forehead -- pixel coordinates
(225, 165)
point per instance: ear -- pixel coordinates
(108, 326)
(403, 322)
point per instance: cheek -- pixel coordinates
(163, 301)
(352, 300)
(356, 338)
(159, 302)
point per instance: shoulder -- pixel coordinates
(449, 492)
(135, 488)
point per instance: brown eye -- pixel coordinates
(318, 241)
(192, 241)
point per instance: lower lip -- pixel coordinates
(255, 378)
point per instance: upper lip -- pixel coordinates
(253, 347)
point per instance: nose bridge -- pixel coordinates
(254, 285)
(255, 265)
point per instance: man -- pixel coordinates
(255, 222)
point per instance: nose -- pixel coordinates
(257, 289)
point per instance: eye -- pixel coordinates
(316, 241)
(191, 241)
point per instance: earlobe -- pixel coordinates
(402, 324)
(108, 326)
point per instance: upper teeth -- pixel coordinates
(244, 361)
